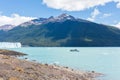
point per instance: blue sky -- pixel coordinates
(100, 11)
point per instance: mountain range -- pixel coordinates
(62, 31)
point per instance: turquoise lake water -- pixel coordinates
(105, 60)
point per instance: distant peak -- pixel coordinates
(64, 15)
(51, 17)
(7, 27)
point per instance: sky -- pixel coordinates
(16, 12)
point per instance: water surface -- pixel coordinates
(105, 60)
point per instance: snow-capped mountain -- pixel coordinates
(7, 27)
(65, 17)
(39, 21)
(63, 30)
(60, 18)
(33, 22)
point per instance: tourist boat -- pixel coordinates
(74, 50)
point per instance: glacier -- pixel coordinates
(10, 45)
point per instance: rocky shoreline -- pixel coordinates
(12, 68)
(11, 53)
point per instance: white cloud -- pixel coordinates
(107, 15)
(14, 19)
(117, 25)
(118, 5)
(94, 14)
(77, 5)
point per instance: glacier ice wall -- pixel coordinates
(10, 45)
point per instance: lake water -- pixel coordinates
(105, 60)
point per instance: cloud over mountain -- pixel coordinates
(14, 19)
(77, 5)
(94, 14)
(117, 25)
